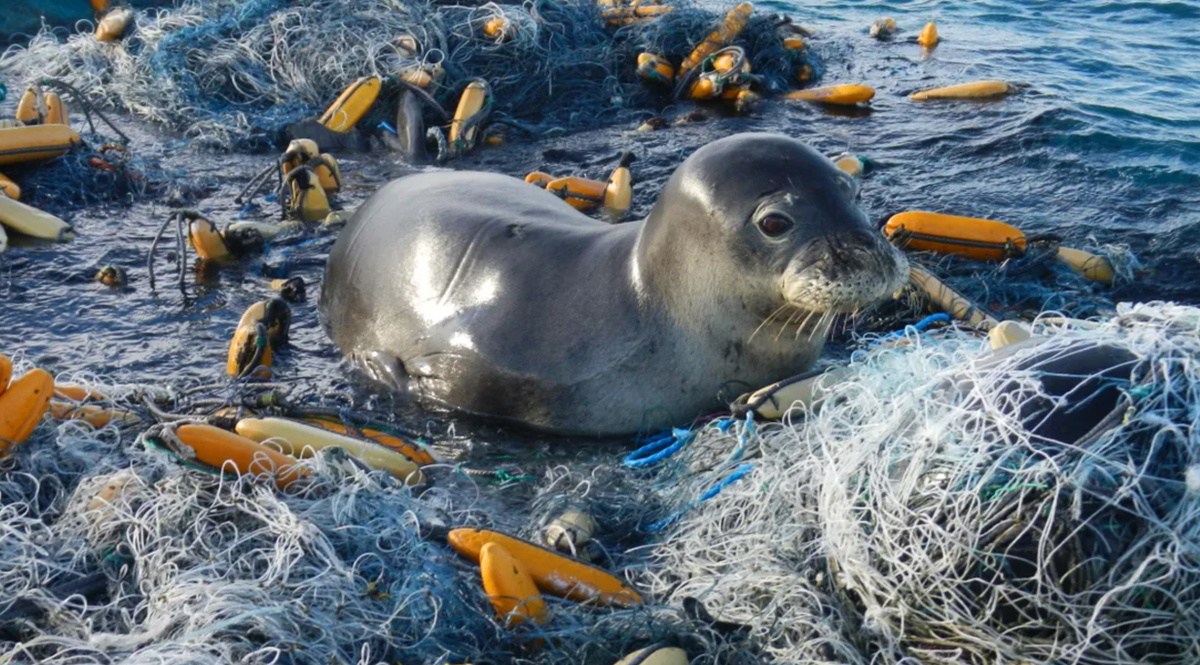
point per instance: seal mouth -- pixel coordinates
(844, 274)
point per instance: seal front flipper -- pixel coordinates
(383, 367)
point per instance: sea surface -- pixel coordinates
(1101, 146)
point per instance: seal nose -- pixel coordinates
(837, 255)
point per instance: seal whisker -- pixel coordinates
(787, 323)
(768, 320)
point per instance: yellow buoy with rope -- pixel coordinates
(329, 173)
(836, 94)
(656, 69)
(498, 28)
(114, 25)
(306, 199)
(37, 142)
(262, 329)
(976, 90)
(22, 406)
(208, 242)
(301, 440)
(929, 35)
(510, 588)
(1092, 266)
(980, 239)
(352, 104)
(618, 193)
(728, 30)
(33, 222)
(472, 101)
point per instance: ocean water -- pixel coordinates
(1102, 146)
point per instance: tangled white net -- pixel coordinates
(916, 518)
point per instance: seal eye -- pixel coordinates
(775, 225)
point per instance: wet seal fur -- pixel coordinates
(480, 292)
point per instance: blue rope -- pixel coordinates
(710, 493)
(919, 326)
(659, 449)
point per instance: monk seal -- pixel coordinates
(480, 292)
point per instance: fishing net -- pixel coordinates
(917, 517)
(229, 74)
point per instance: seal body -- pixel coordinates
(479, 292)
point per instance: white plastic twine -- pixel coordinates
(905, 522)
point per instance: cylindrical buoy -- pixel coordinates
(27, 108)
(33, 222)
(836, 94)
(979, 239)
(262, 329)
(306, 199)
(552, 572)
(929, 35)
(220, 449)
(656, 69)
(580, 193)
(950, 300)
(292, 289)
(301, 439)
(618, 193)
(510, 588)
(56, 110)
(207, 240)
(22, 406)
(1092, 266)
(976, 90)
(267, 231)
(793, 43)
(352, 104)
(728, 30)
(464, 128)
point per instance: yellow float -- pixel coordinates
(301, 440)
(552, 572)
(220, 449)
(33, 222)
(980, 239)
(29, 144)
(352, 104)
(733, 24)
(977, 90)
(22, 406)
(510, 588)
(836, 94)
(929, 35)
(262, 328)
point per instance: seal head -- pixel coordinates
(509, 303)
